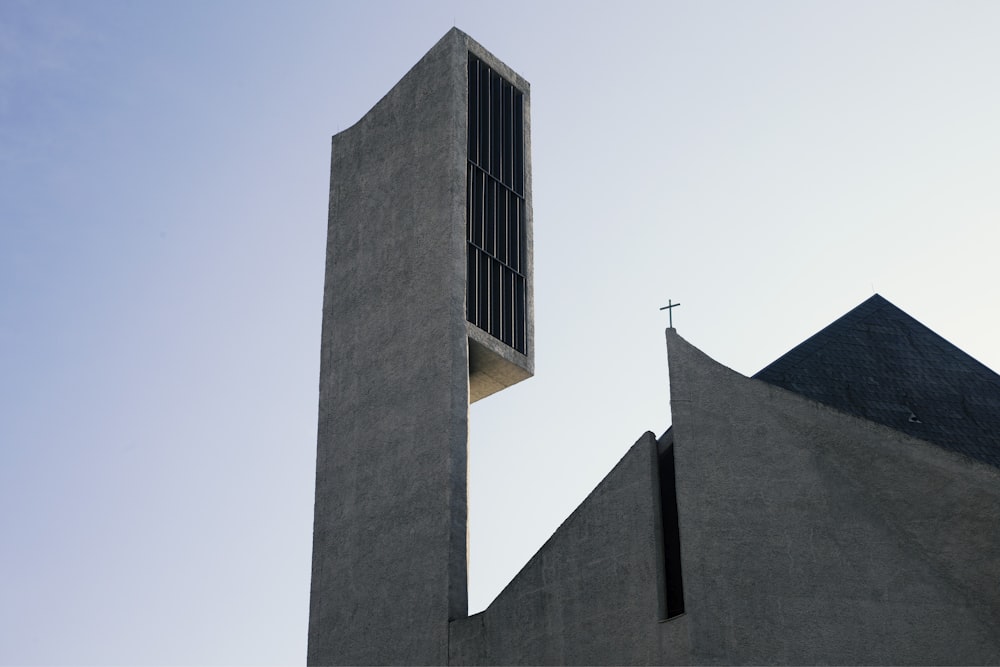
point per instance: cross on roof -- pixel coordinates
(669, 308)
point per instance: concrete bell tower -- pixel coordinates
(427, 306)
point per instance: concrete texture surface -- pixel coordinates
(389, 541)
(590, 594)
(494, 366)
(809, 536)
(389, 537)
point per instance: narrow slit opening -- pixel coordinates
(672, 598)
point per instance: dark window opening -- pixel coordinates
(673, 597)
(495, 212)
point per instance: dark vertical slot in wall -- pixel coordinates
(479, 206)
(471, 309)
(509, 305)
(520, 340)
(514, 239)
(469, 203)
(507, 157)
(496, 123)
(470, 210)
(483, 320)
(495, 206)
(496, 286)
(504, 300)
(671, 534)
(489, 231)
(483, 158)
(518, 142)
(473, 110)
(503, 197)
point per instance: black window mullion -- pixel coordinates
(496, 123)
(495, 288)
(484, 291)
(513, 231)
(473, 119)
(508, 136)
(472, 277)
(480, 220)
(503, 195)
(469, 202)
(520, 343)
(483, 157)
(518, 141)
(489, 231)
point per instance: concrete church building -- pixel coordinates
(842, 506)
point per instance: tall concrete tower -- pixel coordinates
(427, 306)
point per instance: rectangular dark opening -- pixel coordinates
(483, 158)
(483, 316)
(495, 206)
(674, 594)
(503, 225)
(507, 158)
(496, 285)
(520, 342)
(490, 231)
(469, 203)
(518, 141)
(496, 123)
(473, 110)
(514, 238)
(479, 206)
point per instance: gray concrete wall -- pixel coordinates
(390, 536)
(807, 537)
(590, 594)
(812, 537)
(389, 541)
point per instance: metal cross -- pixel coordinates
(669, 308)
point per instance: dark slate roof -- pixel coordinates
(878, 363)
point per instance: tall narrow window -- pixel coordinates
(672, 597)
(495, 300)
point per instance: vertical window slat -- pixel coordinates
(520, 342)
(503, 195)
(489, 231)
(495, 308)
(513, 232)
(496, 104)
(472, 277)
(484, 291)
(473, 119)
(484, 116)
(518, 143)
(508, 136)
(469, 202)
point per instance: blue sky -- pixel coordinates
(163, 180)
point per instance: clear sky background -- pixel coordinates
(163, 189)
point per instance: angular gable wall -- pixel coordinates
(590, 594)
(810, 536)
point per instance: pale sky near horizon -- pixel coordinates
(164, 170)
